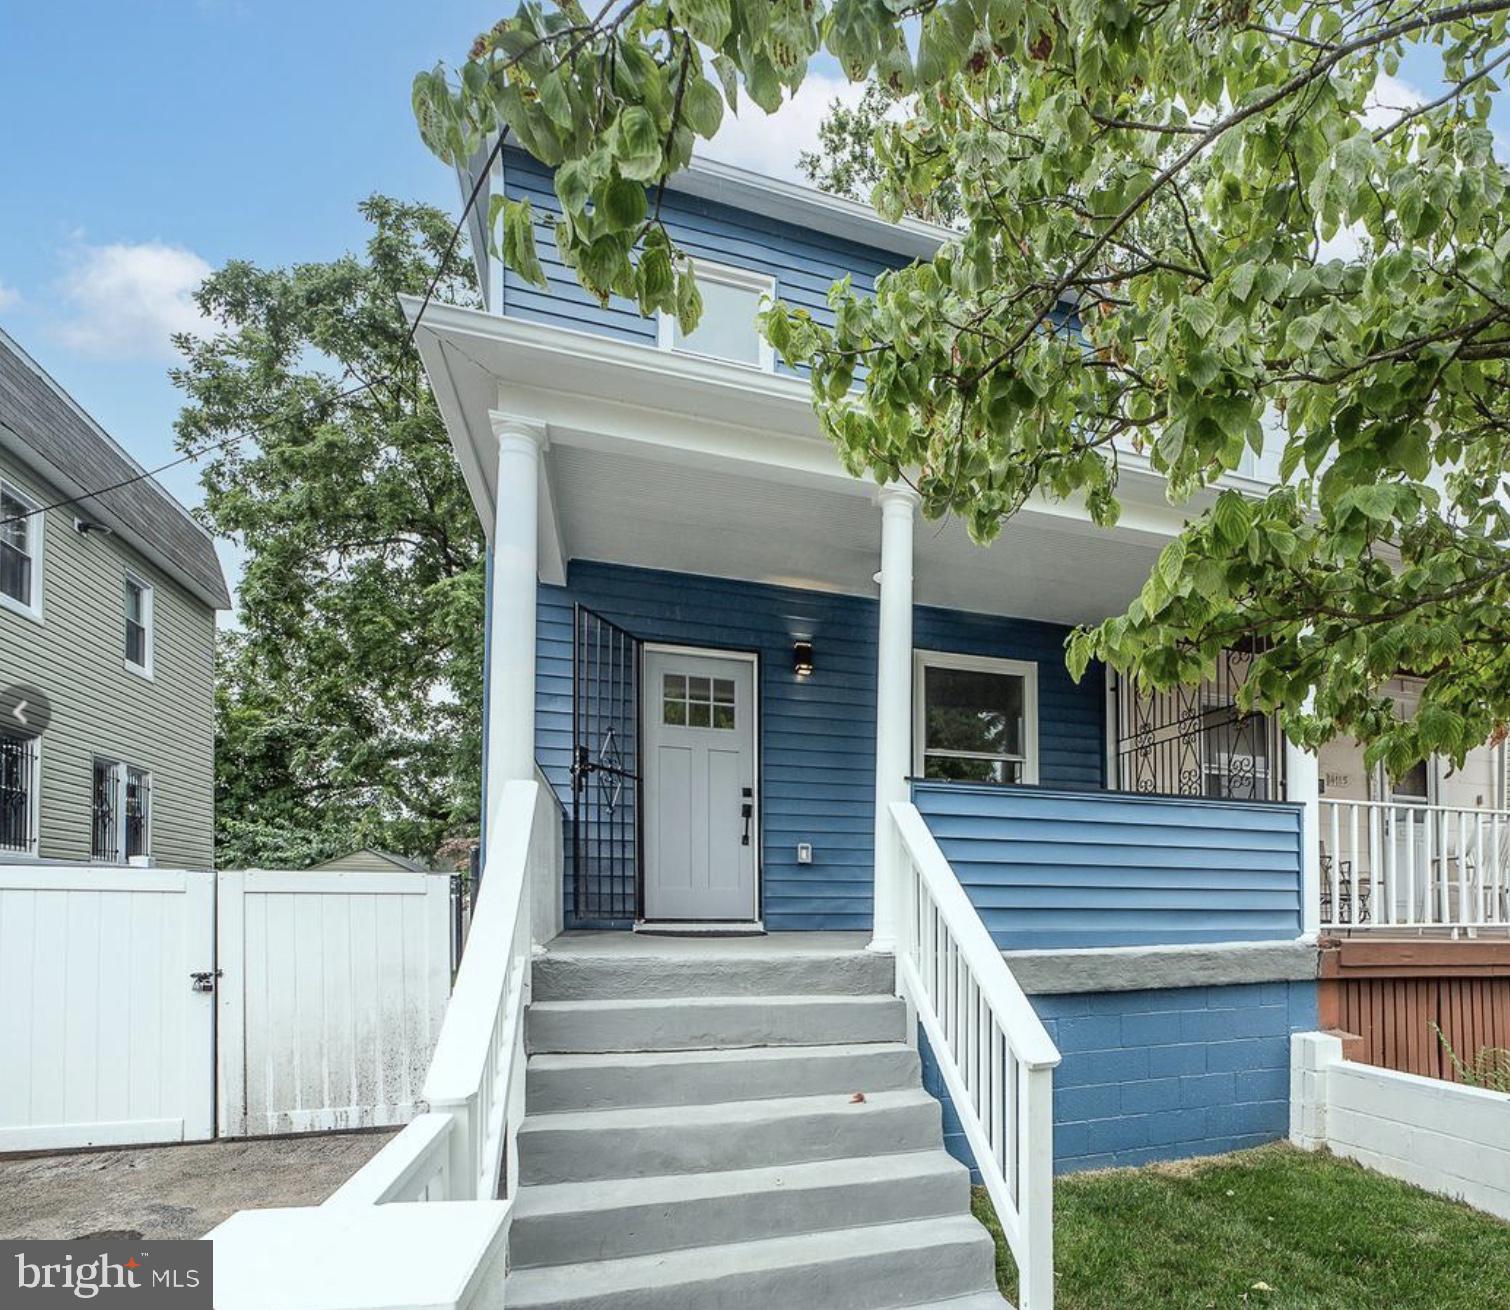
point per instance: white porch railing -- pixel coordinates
(996, 1057)
(1390, 865)
(463, 1149)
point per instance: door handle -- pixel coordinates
(747, 812)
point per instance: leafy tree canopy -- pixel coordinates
(1180, 220)
(348, 703)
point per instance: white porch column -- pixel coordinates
(1303, 787)
(893, 698)
(511, 636)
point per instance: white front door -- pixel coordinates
(700, 810)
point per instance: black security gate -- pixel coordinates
(605, 771)
(1195, 741)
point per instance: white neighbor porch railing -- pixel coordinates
(996, 1057)
(462, 1150)
(1391, 865)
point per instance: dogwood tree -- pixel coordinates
(1181, 222)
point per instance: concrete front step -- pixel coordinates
(620, 1080)
(627, 1217)
(904, 1264)
(598, 1144)
(718, 1021)
(571, 971)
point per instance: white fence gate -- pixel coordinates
(331, 996)
(330, 992)
(103, 1038)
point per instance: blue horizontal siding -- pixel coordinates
(817, 735)
(804, 262)
(1054, 869)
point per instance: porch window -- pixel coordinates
(18, 794)
(727, 328)
(122, 818)
(20, 552)
(976, 719)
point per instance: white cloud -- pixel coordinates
(124, 301)
(1391, 97)
(9, 297)
(770, 143)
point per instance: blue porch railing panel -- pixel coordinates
(1051, 869)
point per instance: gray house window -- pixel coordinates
(20, 551)
(18, 794)
(139, 626)
(122, 825)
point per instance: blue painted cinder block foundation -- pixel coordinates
(1161, 1075)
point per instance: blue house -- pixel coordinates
(796, 745)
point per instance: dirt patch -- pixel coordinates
(172, 1191)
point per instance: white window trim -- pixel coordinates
(1027, 670)
(119, 770)
(37, 530)
(727, 275)
(149, 624)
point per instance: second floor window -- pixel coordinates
(727, 328)
(20, 550)
(139, 626)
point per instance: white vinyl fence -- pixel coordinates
(121, 1013)
(1442, 1136)
(104, 1040)
(331, 996)
(1391, 865)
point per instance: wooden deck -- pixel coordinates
(1388, 993)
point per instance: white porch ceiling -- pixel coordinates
(626, 509)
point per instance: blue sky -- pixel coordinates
(150, 141)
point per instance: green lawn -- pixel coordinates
(1269, 1227)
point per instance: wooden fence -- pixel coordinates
(1388, 995)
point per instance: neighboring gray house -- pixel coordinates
(107, 607)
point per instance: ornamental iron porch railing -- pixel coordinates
(1195, 741)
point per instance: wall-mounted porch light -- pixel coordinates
(802, 658)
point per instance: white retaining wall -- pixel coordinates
(1441, 1136)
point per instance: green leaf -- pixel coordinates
(623, 203)
(703, 107)
(519, 241)
(636, 145)
(708, 20)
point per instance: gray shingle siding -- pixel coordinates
(44, 428)
(76, 655)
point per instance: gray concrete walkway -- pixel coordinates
(172, 1191)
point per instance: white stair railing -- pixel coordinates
(1391, 865)
(996, 1057)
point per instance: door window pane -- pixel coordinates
(695, 701)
